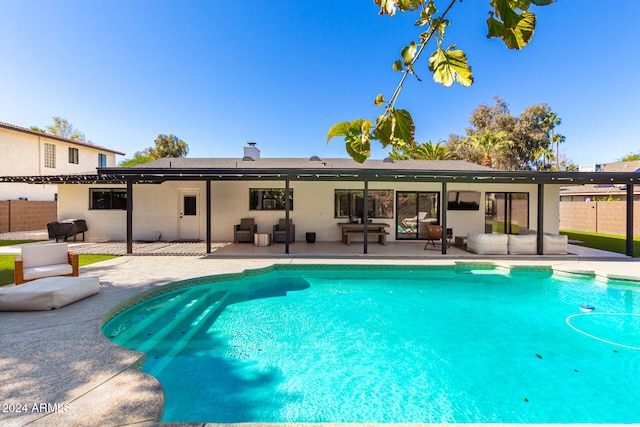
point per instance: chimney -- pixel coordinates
(252, 151)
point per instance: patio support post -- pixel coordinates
(287, 229)
(443, 208)
(540, 223)
(129, 216)
(208, 210)
(365, 215)
(629, 250)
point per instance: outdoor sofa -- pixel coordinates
(514, 244)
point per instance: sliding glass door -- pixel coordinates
(414, 210)
(506, 213)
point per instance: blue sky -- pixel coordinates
(281, 73)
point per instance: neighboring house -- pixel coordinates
(604, 191)
(31, 153)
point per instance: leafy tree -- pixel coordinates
(529, 134)
(139, 158)
(631, 157)
(424, 151)
(509, 20)
(62, 128)
(490, 142)
(168, 146)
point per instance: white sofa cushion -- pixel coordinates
(47, 271)
(47, 293)
(44, 254)
(484, 243)
(526, 244)
(554, 244)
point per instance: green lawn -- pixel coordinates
(6, 265)
(605, 242)
(16, 242)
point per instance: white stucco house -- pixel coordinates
(175, 199)
(30, 153)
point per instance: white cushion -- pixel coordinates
(46, 271)
(44, 254)
(554, 244)
(526, 244)
(47, 293)
(484, 243)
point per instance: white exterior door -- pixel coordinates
(189, 215)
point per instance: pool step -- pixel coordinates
(195, 327)
(132, 331)
(198, 306)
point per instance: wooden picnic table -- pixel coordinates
(350, 230)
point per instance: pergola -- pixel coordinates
(388, 173)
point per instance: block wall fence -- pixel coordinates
(26, 215)
(599, 217)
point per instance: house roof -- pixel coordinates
(313, 169)
(58, 138)
(304, 163)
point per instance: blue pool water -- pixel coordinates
(401, 345)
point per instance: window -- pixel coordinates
(269, 199)
(350, 203)
(73, 155)
(190, 206)
(414, 211)
(108, 198)
(506, 212)
(49, 155)
(102, 160)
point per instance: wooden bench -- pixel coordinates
(348, 234)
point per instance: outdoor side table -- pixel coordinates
(262, 239)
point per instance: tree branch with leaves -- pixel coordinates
(509, 20)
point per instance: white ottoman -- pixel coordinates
(47, 293)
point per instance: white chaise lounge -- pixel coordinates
(45, 260)
(47, 293)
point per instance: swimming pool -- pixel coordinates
(381, 344)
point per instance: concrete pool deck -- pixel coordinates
(57, 368)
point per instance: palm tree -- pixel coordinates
(424, 151)
(490, 142)
(553, 120)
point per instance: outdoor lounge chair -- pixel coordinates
(435, 234)
(243, 232)
(45, 260)
(410, 225)
(280, 231)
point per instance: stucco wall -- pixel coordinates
(157, 208)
